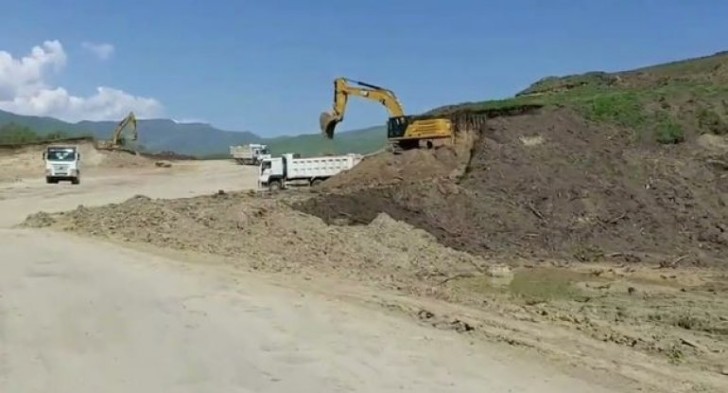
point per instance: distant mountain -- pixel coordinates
(362, 141)
(184, 138)
(205, 140)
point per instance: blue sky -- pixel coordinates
(268, 66)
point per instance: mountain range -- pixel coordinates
(635, 98)
(200, 139)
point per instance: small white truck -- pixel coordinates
(289, 169)
(250, 154)
(62, 163)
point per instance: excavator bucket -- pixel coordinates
(328, 123)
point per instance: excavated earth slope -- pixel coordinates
(551, 184)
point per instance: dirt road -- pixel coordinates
(78, 315)
(184, 179)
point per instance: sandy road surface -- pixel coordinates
(77, 315)
(184, 179)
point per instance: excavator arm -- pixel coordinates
(130, 119)
(342, 91)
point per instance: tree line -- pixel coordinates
(16, 134)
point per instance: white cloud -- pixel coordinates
(102, 51)
(24, 90)
(190, 121)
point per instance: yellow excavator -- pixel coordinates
(117, 140)
(403, 131)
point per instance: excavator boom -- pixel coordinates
(343, 89)
(116, 138)
(117, 141)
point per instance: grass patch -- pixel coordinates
(544, 285)
(623, 109)
(710, 121)
(555, 84)
(531, 286)
(668, 131)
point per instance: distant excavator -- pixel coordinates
(403, 131)
(118, 142)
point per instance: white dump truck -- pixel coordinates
(290, 169)
(250, 154)
(62, 163)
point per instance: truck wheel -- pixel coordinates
(316, 182)
(49, 180)
(76, 180)
(275, 185)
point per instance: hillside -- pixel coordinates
(628, 165)
(665, 103)
(202, 139)
(362, 141)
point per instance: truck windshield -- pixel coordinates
(61, 155)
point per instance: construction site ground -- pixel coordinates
(182, 278)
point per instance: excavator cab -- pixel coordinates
(397, 126)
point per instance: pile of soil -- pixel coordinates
(409, 166)
(267, 234)
(169, 156)
(387, 169)
(115, 159)
(551, 184)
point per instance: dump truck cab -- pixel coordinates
(251, 154)
(62, 163)
(271, 169)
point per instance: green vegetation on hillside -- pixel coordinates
(663, 103)
(41, 125)
(14, 134)
(360, 141)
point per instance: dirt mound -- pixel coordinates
(554, 185)
(272, 236)
(116, 159)
(410, 166)
(169, 155)
(386, 169)
(22, 161)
